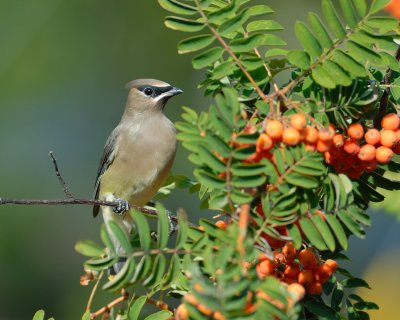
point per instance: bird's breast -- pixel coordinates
(143, 158)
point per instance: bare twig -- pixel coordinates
(91, 297)
(60, 178)
(109, 306)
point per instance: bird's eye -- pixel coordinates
(148, 91)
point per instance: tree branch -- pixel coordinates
(72, 200)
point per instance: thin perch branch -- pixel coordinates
(60, 178)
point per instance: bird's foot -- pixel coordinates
(173, 227)
(122, 206)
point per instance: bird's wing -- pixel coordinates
(106, 159)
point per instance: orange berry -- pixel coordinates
(265, 268)
(338, 140)
(351, 147)
(297, 291)
(323, 146)
(298, 121)
(310, 135)
(393, 8)
(372, 136)
(355, 131)
(384, 154)
(367, 153)
(310, 147)
(308, 258)
(264, 142)
(305, 277)
(279, 257)
(324, 271)
(292, 270)
(190, 298)
(291, 136)
(289, 251)
(205, 310)
(388, 138)
(218, 316)
(221, 224)
(332, 264)
(326, 134)
(274, 128)
(181, 313)
(315, 288)
(391, 121)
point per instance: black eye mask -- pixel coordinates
(156, 90)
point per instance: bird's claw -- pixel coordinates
(172, 226)
(122, 206)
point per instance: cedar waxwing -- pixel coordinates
(138, 154)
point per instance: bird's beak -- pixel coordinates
(175, 91)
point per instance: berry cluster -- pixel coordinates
(303, 267)
(361, 150)
(352, 153)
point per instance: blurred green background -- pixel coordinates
(63, 67)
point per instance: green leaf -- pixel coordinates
(136, 307)
(233, 24)
(247, 182)
(86, 315)
(337, 73)
(209, 180)
(248, 169)
(332, 19)
(349, 64)
(195, 43)
(217, 145)
(384, 24)
(378, 5)
(100, 263)
(160, 315)
(223, 70)
(301, 180)
(299, 58)
(337, 230)
(174, 271)
(207, 58)
(158, 271)
(177, 7)
(220, 15)
(320, 309)
(89, 248)
(162, 226)
(362, 53)
(361, 7)
(264, 25)
(39, 315)
(319, 30)
(355, 283)
(182, 229)
(275, 52)
(185, 25)
(295, 234)
(351, 224)
(366, 305)
(325, 232)
(254, 41)
(259, 10)
(120, 235)
(348, 13)
(122, 277)
(142, 227)
(323, 78)
(210, 160)
(307, 40)
(312, 234)
(105, 237)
